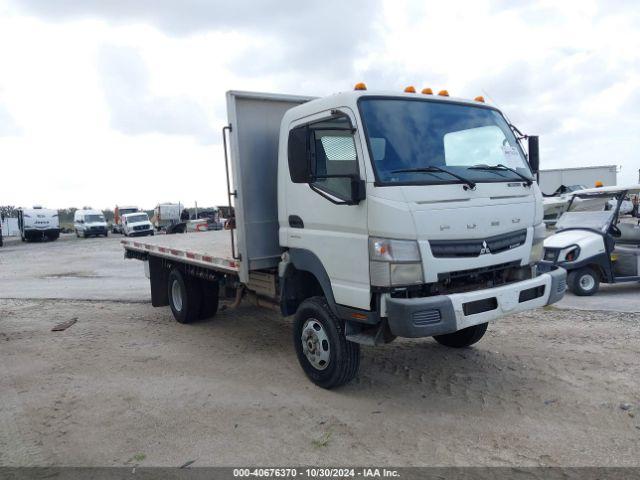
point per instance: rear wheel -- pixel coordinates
(463, 338)
(185, 297)
(325, 354)
(583, 282)
(209, 305)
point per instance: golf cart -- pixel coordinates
(592, 243)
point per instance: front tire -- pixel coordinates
(463, 338)
(583, 282)
(324, 353)
(185, 297)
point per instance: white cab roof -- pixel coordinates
(350, 99)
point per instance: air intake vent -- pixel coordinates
(426, 317)
(476, 247)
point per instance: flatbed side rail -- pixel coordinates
(180, 255)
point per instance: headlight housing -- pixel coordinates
(394, 262)
(537, 247)
(569, 254)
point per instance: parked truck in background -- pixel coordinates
(38, 223)
(166, 214)
(572, 179)
(117, 217)
(368, 216)
(136, 224)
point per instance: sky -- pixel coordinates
(106, 102)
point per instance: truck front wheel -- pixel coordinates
(185, 297)
(325, 354)
(463, 338)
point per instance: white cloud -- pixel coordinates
(107, 91)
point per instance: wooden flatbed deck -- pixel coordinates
(205, 249)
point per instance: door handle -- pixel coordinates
(295, 221)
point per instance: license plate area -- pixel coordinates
(480, 306)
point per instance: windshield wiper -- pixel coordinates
(469, 185)
(500, 167)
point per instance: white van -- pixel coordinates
(136, 224)
(87, 222)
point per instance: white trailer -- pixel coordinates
(166, 214)
(344, 220)
(587, 177)
(38, 223)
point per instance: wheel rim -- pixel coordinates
(587, 282)
(176, 295)
(315, 344)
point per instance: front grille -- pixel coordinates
(562, 286)
(426, 317)
(140, 227)
(477, 247)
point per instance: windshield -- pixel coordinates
(137, 218)
(93, 218)
(124, 211)
(589, 212)
(413, 134)
(599, 220)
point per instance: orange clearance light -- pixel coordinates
(443, 93)
(599, 184)
(427, 91)
(410, 89)
(479, 98)
(360, 86)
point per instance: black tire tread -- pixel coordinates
(573, 281)
(463, 338)
(192, 298)
(350, 350)
(210, 300)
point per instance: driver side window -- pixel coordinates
(329, 148)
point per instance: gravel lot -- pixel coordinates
(128, 385)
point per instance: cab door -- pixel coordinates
(326, 212)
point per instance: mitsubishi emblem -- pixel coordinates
(485, 248)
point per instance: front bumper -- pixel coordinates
(442, 314)
(141, 233)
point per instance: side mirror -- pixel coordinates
(299, 158)
(534, 154)
(358, 190)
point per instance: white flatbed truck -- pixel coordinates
(367, 216)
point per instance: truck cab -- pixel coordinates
(118, 212)
(136, 224)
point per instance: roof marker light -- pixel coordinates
(427, 91)
(360, 86)
(410, 89)
(479, 98)
(443, 93)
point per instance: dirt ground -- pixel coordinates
(127, 385)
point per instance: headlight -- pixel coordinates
(537, 247)
(394, 262)
(569, 254)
